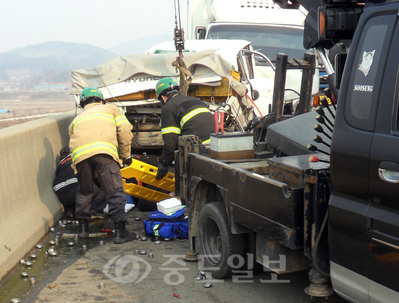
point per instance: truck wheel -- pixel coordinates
(218, 246)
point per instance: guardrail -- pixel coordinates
(29, 154)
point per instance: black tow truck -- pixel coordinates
(331, 205)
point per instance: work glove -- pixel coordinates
(162, 171)
(127, 161)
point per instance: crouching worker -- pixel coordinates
(66, 184)
(99, 136)
(180, 115)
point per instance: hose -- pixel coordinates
(316, 246)
(253, 102)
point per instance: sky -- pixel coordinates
(102, 23)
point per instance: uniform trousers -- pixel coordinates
(109, 174)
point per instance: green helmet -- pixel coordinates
(90, 95)
(165, 86)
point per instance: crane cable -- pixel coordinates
(185, 74)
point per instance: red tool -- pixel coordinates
(316, 159)
(217, 124)
(106, 230)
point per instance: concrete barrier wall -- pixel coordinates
(29, 154)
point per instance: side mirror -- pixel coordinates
(200, 32)
(255, 95)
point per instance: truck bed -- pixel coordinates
(274, 207)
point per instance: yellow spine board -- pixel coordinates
(145, 173)
(145, 193)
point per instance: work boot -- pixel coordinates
(97, 215)
(121, 234)
(83, 229)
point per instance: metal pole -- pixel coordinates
(307, 83)
(279, 85)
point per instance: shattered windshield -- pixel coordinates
(266, 39)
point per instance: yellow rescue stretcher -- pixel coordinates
(145, 173)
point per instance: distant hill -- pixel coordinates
(52, 62)
(51, 57)
(139, 46)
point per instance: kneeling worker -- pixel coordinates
(66, 184)
(180, 115)
(99, 136)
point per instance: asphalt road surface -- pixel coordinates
(105, 272)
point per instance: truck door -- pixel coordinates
(383, 214)
(354, 130)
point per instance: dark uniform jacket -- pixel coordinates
(65, 183)
(184, 115)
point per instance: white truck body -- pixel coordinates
(229, 50)
(127, 75)
(205, 13)
(269, 28)
(129, 81)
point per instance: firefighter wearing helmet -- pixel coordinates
(90, 95)
(99, 137)
(181, 115)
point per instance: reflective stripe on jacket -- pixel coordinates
(92, 147)
(100, 129)
(184, 115)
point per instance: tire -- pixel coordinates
(217, 244)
